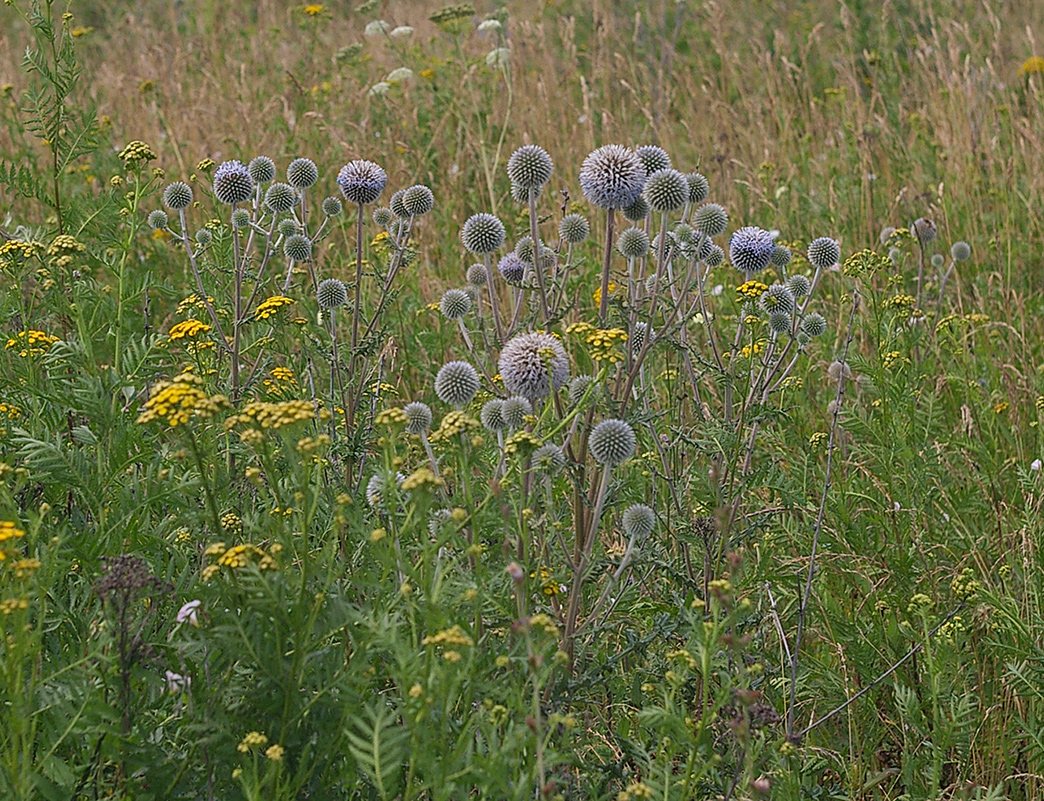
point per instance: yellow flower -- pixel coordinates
(602, 344)
(421, 479)
(136, 151)
(521, 442)
(81, 31)
(9, 531)
(31, 343)
(177, 401)
(25, 567)
(454, 635)
(271, 306)
(416, 691)
(1033, 64)
(313, 10)
(189, 329)
(275, 752)
(597, 295)
(752, 290)
(252, 739)
(13, 604)
(273, 414)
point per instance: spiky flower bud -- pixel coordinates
(779, 322)
(574, 229)
(331, 293)
(157, 220)
(204, 237)
(302, 173)
(476, 275)
(177, 196)
(549, 459)
(262, 169)
(638, 337)
(666, 190)
(633, 243)
(288, 227)
(418, 417)
(456, 383)
(512, 269)
(515, 410)
(924, 231)
(492, 415)
(824, 252)
(418, 200)
(960, 251)
(638, 521)
(937, 260)
(363, 181)
(455, 304)
(799, 286)
(281, 197)
(638, 210)
(397, 207)
(653, 158)
(711, 220)
(612, 177)
(533, 365)
(813, 325)
(530, 167)
(777, 298)
(240, 219)
(232, 183)
(699, 187)
(332, 206)
(781, 256)
(298, 247)
(482, 233)
(519, 194)
(383, 216)
(750, 249)
(612, 442)
(578, 387)
(715, 256)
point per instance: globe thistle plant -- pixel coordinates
(534, 366)
(383, 216)
(777, 298)
(332, 206)
(750, 249)
(288, 227)
(302, 173)
(612, 177)
(232, 183)
(653, 158)
(639, 521)
(612, 442)
(781, 257)
(638, 210)
(666, 190)
(492, 415)
(177, 196)
(515, 410)
(476, 275)
(331, 293)
(633, 243)
(482, 233)
(824, 253)
(512, 269)
(262, 169)
(960, 251)
(799, 286)
(456, 383)
(530, 167)
(574, 229)
(157, 220)
(298, 247)
(281, 197)
(363, 181)
(699, 187)
(813, 325)
(549, 459)
(240, 219)
(418, 200)
(711, 220)
(418, 417)
(454, 304)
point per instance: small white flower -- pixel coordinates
(497, 57)
(1035, 464)
(699, 319)
(489, 25)
(176, 683)
(378, 89)
(376, 28)
(190, 612)
(896, 506)
(717, 290)
(402, 32)
(400, 75)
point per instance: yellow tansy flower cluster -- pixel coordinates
(1032, 65)
(10, 411)
(238, 557)
(752, 290)
(521, 442)
(597, 295)
(544, 623)
(270, 307)
(14, 251)
(901, 302)
(273, 414)
(136, 151)
(313, 10)
(452, 424)
(12, 605)
(454, 635)
(752, 350)
(31, 343)
(275, 752)
(193, 301)
(421, 479)
(23, 568)
(8, 532)
(894, 359)
(189, 329)
(634, 791)
(231, 523)
(252, 739)
(602, 344)
(391, 417)
(548, 585)
(283, 374)
(178, 400)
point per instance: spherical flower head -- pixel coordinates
(779, 322)
(455, 304)
(456, 383)
(633, 243)
(177, 196)
(298, 247)
(549, 458)
(578, 388)
(418, 200)
(715, 256)
(799, 286)
(824, 252)
(519, 194)
(886, 234)
(262, 169)
(383, 216)
(157, 220)
(612, 442)
(612, 177)
(302, 173)
(574, 229)
(332, 206)
(653, 158)
(530, 167)
(524, 248)
(750, 249)
(515, 410)
(638, 336)
(281, 197)
(512, 269)
(534, 366)
(777, 298)
(699, 187)
(638, 210)
(813, 325)
(395, 203)
(477, 276)
(240, 219)
(363, 181)
(331, 293)
(666, 190)
(711, 220)
(418, 417)
(288, 227)
(232, 183)
(781, 256)
(482, 233)
(685, 233)
(379, 487)
(492, 415)
(638, 521)
(960, 251)
(204, 237)
(937, 260)
(924, 230)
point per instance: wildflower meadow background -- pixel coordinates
(521, 400)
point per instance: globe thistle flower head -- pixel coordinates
(483, 233)
(638, 210)
(204, 237)
(472, 292)
(455, 304)
(519, 194)
(715, 256)
(633, 243)
(418, 417)
(824, 252)
(666, 190)
(418, 200)
(177, 196)
(937, 260)
(232, 183)
(240, 219)
(799, 286)
(653, 158)
(363, 181)
(383, 216)
(685, 234)
(711, 220)
(380, 488)
(524, 248)
(699, 187)
(781, 256)
(281, 197)
(396, 204)
(512, 269)
(574, 229)
(612, 442)
(298, 247)
(331, 293)
(332, 206)
(779, 322)
(750, 249)
(650, 282)
(476, 275)
(530, 167)
(262, 169)
(578, 388)
(456, 383)
(813, 325)
(492, 415)
(549, 459)
(515, 410)
(886, 234)
(638, 336)
(533, 366)
(302, 173)
(288, 227)
(777, 298)
(157, 220)
(924, 231)
(638, 521)
(960, 251)
(612, 176)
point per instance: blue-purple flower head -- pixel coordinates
(751, 248)
(232, 183)
(612, 177)
(362, 181)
